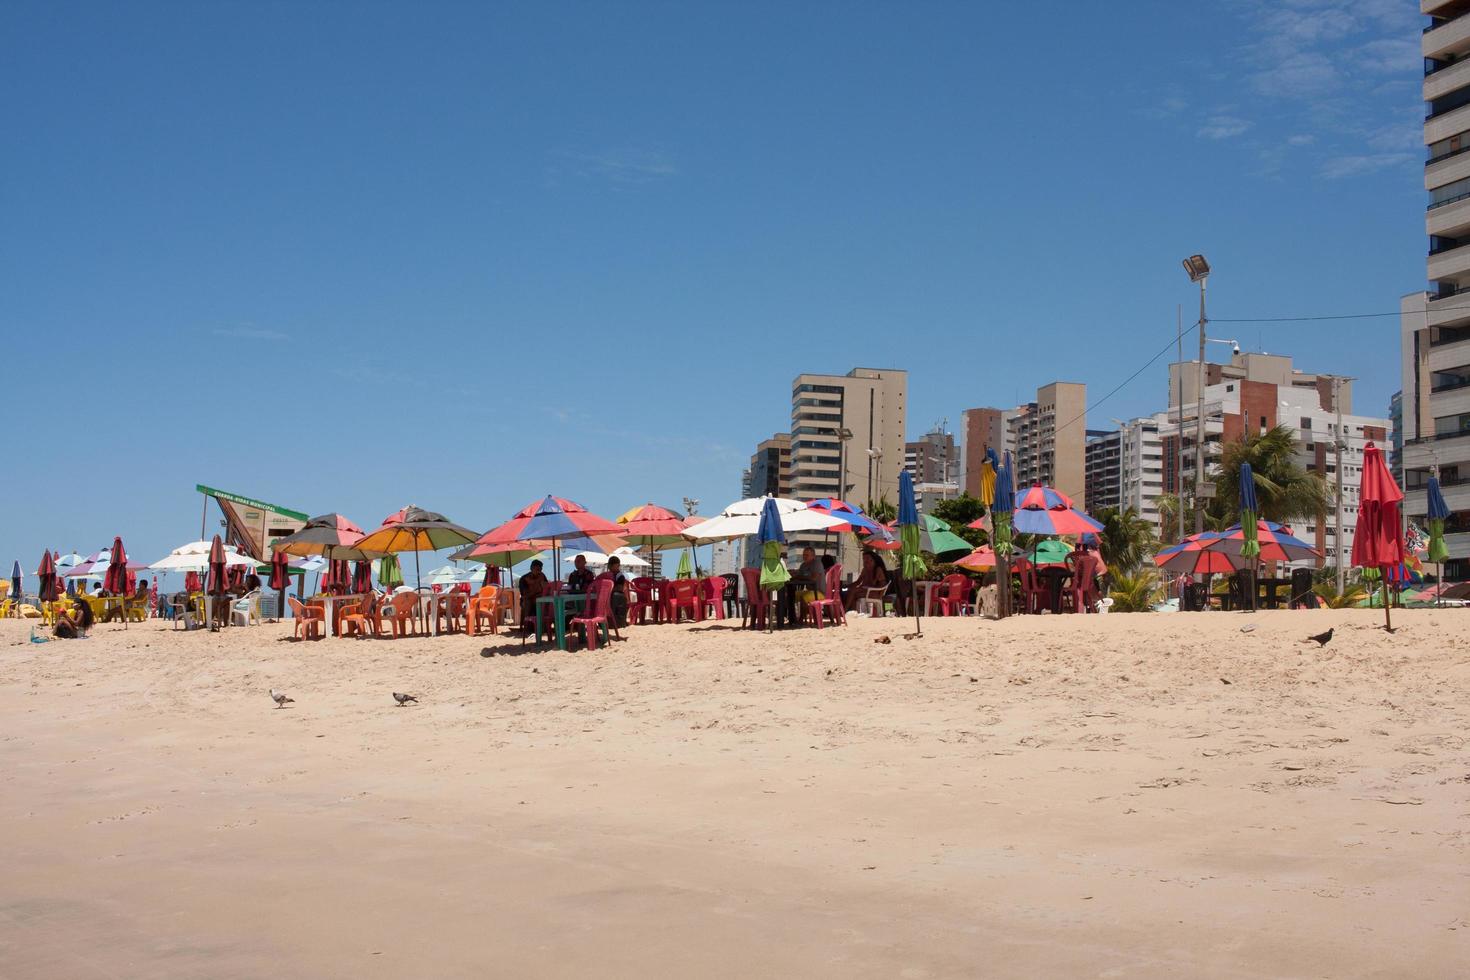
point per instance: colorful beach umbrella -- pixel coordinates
(1044, 510)
(1249, 513)
(496, 555)
(1196, 556)
(1377, 539)
(415, 529)
(1273, 542)
(935, 537)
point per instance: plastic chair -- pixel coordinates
(402, 612)
(644, 598)
(831, 604)
(1035, 596)
(874, 601)
(360, 616)
(1083, 593)
(485, 608)
(953, 598)
(757, 612)
(601, 616)
(732, 594)
(309, 619)
(686, 594)
(180, 609)
(456, 610)
(714, 597)
(245, 611)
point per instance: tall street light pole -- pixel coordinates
(1199, 271)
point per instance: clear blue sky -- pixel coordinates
(351, 256)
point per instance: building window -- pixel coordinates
(1451, 425)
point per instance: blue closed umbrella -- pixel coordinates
(911, 564)
(15, 584)
(771, 536)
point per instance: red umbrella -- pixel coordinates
(192, 582)
(280, 579)
(235, 574)
(1378, 540)
(362, 577)
(47, 574)
(218, 573)
(116, 579)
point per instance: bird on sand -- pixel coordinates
(1320, 639)
(280, 699)
(403, 699)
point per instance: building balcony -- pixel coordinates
(1450, 311)
(1452, 266)
(1448, 39)
(1446, 80)
(1448, 168)
(1450, 219)
(1443, 8)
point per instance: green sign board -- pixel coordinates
(250, 502)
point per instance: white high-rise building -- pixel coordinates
(1435, 325)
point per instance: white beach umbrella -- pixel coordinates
(448, 575)
(627, 556)
(742, 519)
(194, 557)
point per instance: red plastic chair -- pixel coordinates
(714, 597)
(831, 605)
(308, 619)
(757, 602)
(601, 616)
(644, 599)
(686, 594)
(1083, 594)
(954, 595)
(1035, 596)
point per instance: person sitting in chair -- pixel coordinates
(580, 581)
(619, 597)
(532, 586)
(71, 625)
(874, 576)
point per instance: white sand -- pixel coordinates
(1048, 796)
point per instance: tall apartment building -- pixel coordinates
(847, 436)
(1435, 325)
(1047, 439)
(1126, 468)
(1103, 477)
(932, 458)
(770, 468)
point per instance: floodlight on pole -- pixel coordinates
(1199, 271)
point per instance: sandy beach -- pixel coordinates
(1114, 796)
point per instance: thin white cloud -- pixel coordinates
(248, 333)
(1301, 139)
(1223, 127)
(623, 166)
(1362, 164)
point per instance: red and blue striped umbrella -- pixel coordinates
(1196, 555)
(1043, 510)
(1276, 543)
(1038, 497)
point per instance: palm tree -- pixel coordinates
(1168, 505)
(1135, 593)
(1284, 489)
(882, 511)
(1126, 539)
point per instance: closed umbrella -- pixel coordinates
(280, 579)
(218, 581)
(116, 579)
(771, 536)
(1438, 512)
(362, 577)
(15, 586)
(192, 582)
(1001, 513)
(911, 563)
(47, 574)
(390, 573)
(1250, 548)
(686, 569)
(1378, 539)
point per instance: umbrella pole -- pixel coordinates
(1387, 619)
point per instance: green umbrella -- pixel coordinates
(1050, 552)
(390, 575)
(771, 536)
(686, 568)
(934, 537)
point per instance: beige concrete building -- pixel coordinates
(847, 436)
(1435, 326)
(1048, 439)
(980, 429)
(770, 468)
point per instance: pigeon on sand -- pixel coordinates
(403, 699)
(280, 699)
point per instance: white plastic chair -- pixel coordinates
(873, 601)
(245, 611)
(182, 610)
